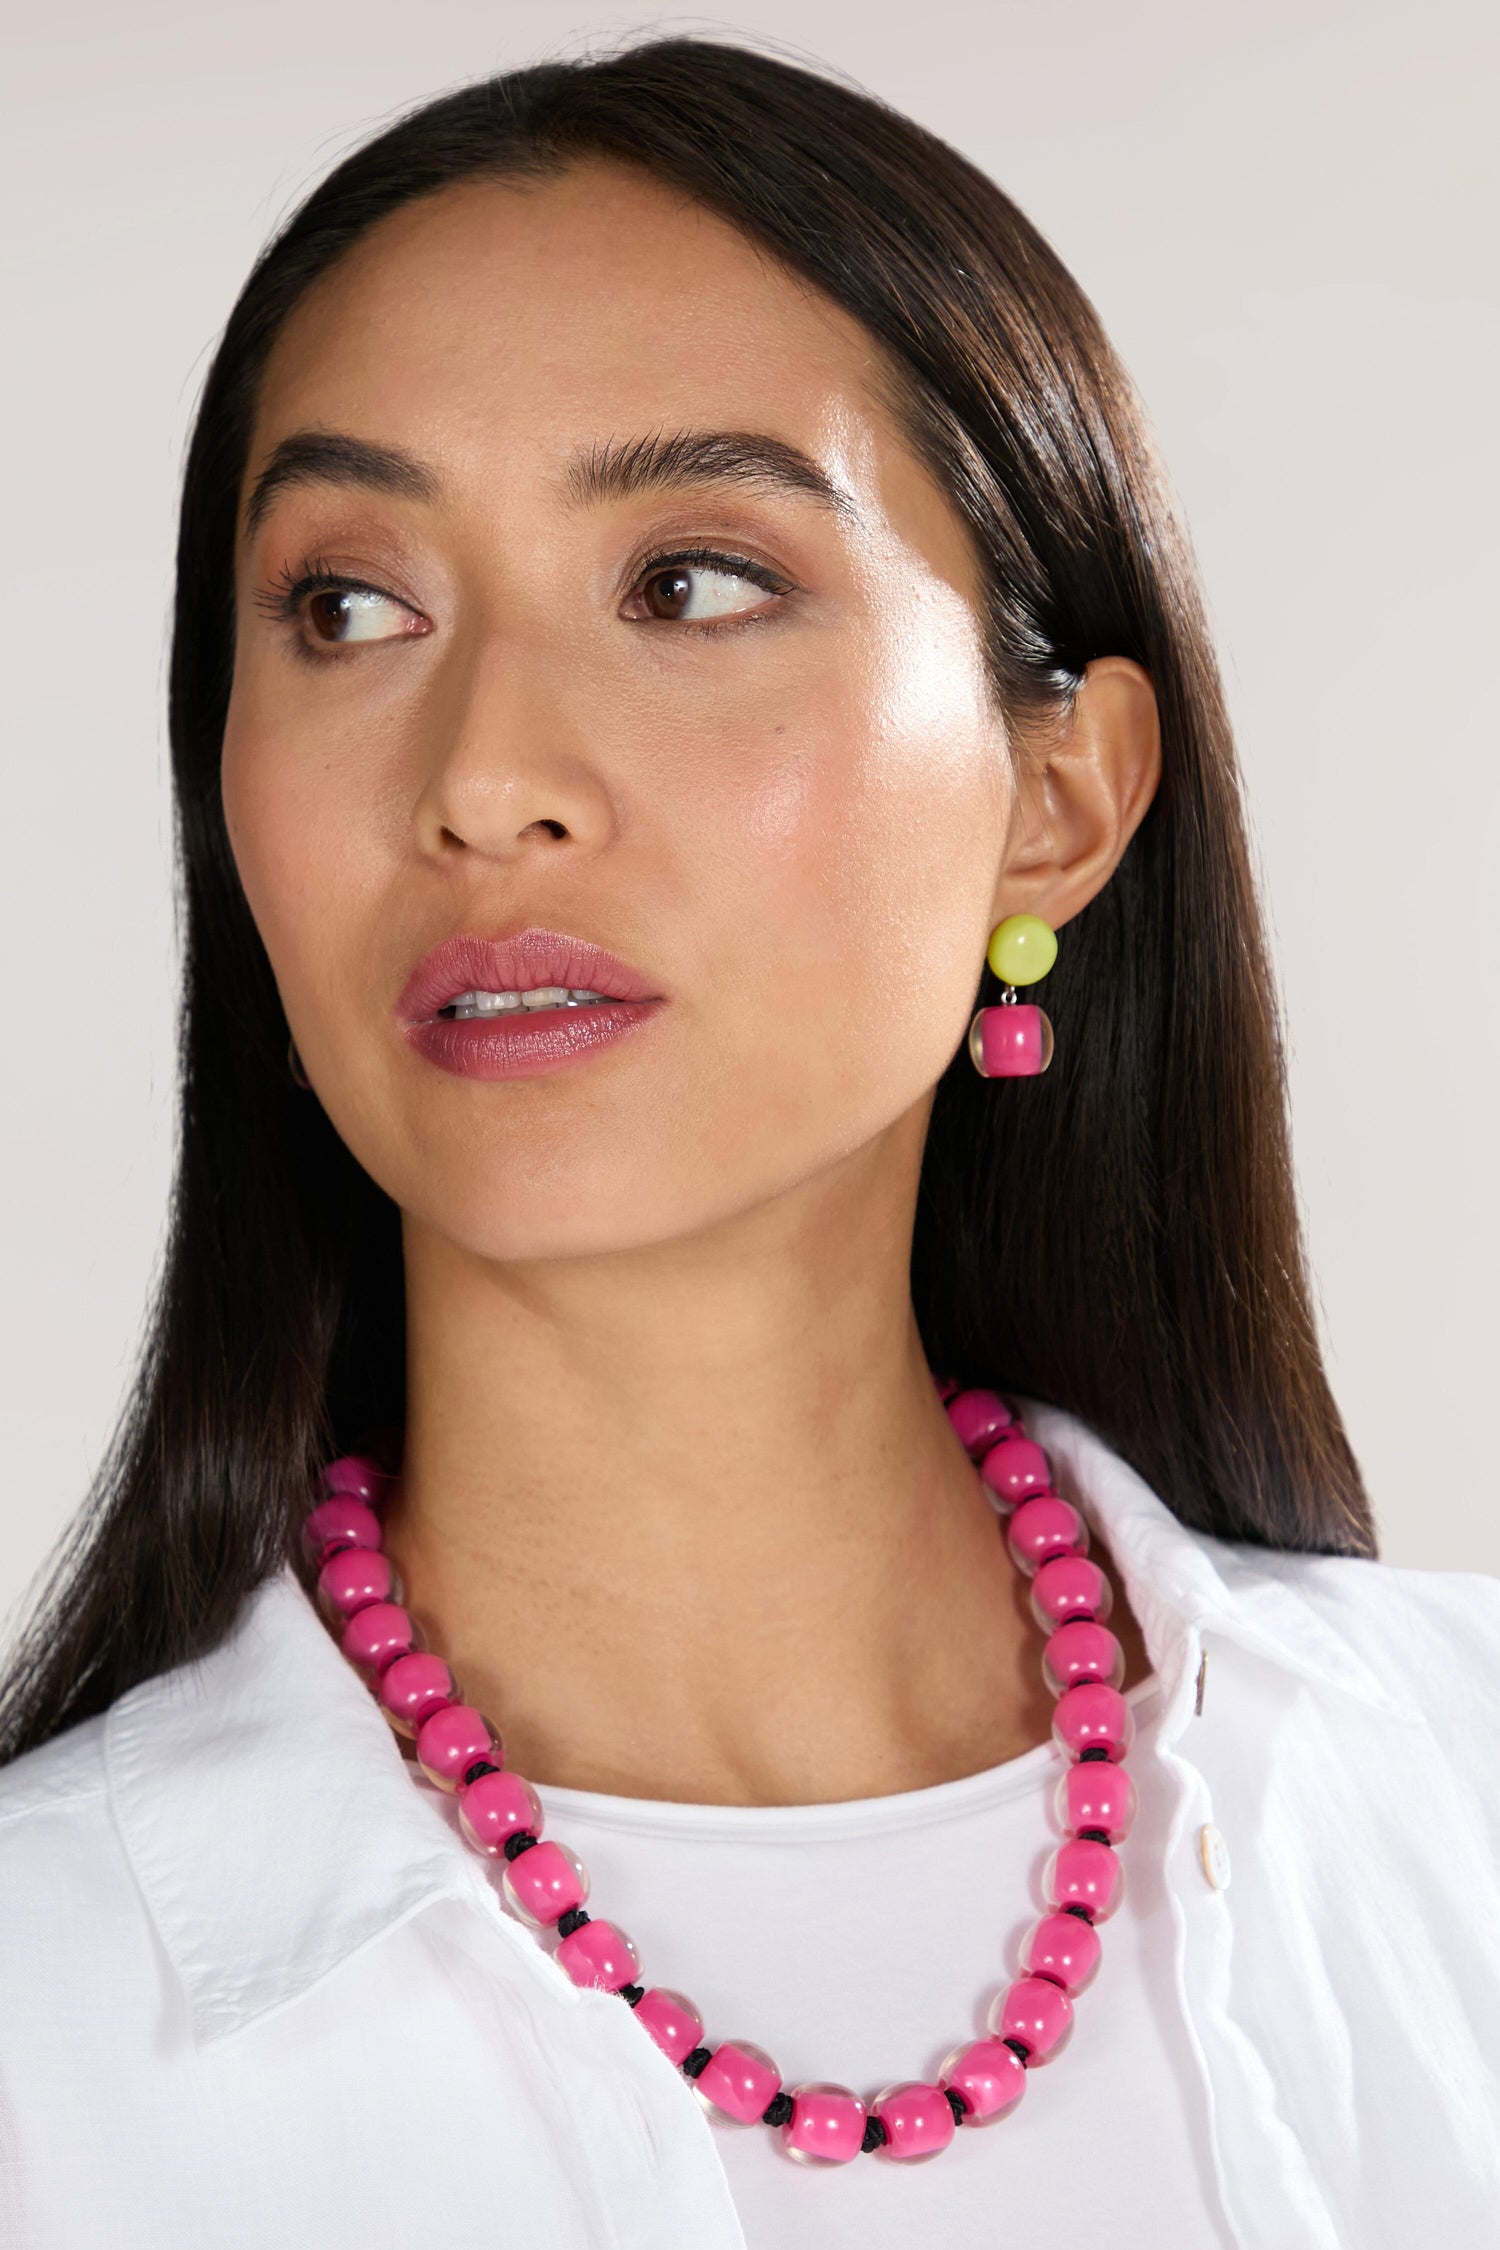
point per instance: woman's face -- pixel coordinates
(643, 628)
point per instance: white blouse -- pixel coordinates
(255, 1990)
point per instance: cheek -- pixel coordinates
(300, 815)
(856, 852)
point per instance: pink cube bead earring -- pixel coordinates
(1014, 1040)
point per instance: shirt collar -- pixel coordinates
(270, 1819)
(275, 1828)
(1298, 1611)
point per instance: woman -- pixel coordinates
(672, 578)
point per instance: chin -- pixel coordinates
(511, 1220)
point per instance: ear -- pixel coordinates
(1083, 788)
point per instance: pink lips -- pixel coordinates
(520, 1044)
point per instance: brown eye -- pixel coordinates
(668, 593)
(688, 592)
(340, 614)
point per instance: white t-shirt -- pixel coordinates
(861, 1942)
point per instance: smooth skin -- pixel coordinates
(680, 1505)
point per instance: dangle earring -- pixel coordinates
(294, 1065)
(1014, 1040)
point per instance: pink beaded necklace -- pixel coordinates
(1030, 2020)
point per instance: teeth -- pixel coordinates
(540, 997)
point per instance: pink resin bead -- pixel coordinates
(413, 1688)
(1080, 1651)
(827, 2124)
(1038, 2013)
(918, 2121)
(738, 2081)
(1093, 1717)
(673, 2022)
(496, 1806)
(1070, 1586)
(1015, 1469)
(598, 1954)
(374, 1637)
(545, 1883)
(340, 1522)
(1043, 1527)
(990, 2076)
(978, 1417)
(1096, 1794)
(354, 1473)
(1013, 1041)
(1084, 1873)
(1065, 1948)
(352, 1579)
(449, 1742)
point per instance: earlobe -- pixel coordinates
(1085, 787)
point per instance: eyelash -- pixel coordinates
(281, 600)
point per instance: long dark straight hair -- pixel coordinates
(1120, 1236)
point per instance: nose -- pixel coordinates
(511, 772)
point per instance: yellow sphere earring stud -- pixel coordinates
(1014, 1040)
(1022, 949)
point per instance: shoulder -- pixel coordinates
(66, 1886)
(1419, 1733)
(62, 1779)
(1423, 1632)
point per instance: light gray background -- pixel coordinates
(1285, 212)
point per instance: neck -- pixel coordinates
(690, 1523)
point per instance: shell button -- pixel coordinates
(1214, 1853)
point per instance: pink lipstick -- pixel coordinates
(515, 1007)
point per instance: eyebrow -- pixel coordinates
(615, 470)
(621, 468)
(332, 457)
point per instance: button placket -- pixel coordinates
(1213, 1852)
